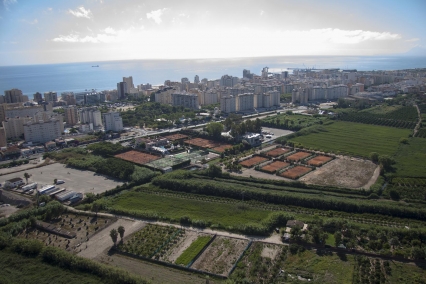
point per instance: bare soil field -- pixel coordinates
(221, 255)
(177, 136)
(296, 172)
(83, 226)
(344, 172)
(202, 143)
(137, 157)
(222, 148)
(274, 166)
(319, 160)
(298, 156)
(253, 161)
(277, 152)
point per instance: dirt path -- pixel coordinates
(373, 179)
(102, 240)
(416, 129)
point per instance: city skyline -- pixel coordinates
(46, 32)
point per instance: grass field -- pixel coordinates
(192, 251)
(354, 139)
(19, 269)
(175, 208)
(411, 158)
(327, 268)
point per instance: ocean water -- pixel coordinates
(75, 77)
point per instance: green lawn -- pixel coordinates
(327, 268)
(407, 273)
(411, 158)
(330, 240)
(354, 139)
(172, 208)
(19, 269)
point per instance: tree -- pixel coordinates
(337, 238)
(214, 171)
(394, 194)
(26, 176)
(417, 253)
(55, 181)
(386, 162)
(394, 242)
(296, 233)
(113, 234)
(214, 129)
(121, 231)
(374, 156)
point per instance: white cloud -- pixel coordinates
(110, 30)
(33, 22)
(349, 36)
(74, 38)
(81, 12)
(412, 39)
(156, 15)
(262, 12)
(7, 3)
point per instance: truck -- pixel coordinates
(60, 181)
(29, 187)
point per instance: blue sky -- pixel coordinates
(38, 32)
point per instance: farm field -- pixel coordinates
(274, 166)
(319, 160)
(298, 156)
(21, 270)
(277, 152)
(83, 226)
(220, 255)
(261, 263)
(174, 208)
(320, 267)
(354, 139)
(295, 172)
(191, 252)
(291, 121)
(253, 161)
(411, 158)
(137, 157)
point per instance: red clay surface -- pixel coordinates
(137, 157)
(177, 136)
(298, 156)
(202, 143)
(295, 172)
(222, 148)
(319, 160)
(277, 152)
(253, 161)
(274, 166)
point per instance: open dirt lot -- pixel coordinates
(277, 152)
(319, 160)
(274, 166)
(220, 255)
(344, 172)
(202, 143)
(75, 180)
(296, 172)
(222, 148)
(298, 156)
(137, 157)
(253, 161)
(176, 136)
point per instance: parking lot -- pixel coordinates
(75, 180)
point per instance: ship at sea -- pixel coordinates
(95, 66)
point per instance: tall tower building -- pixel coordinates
(113, 121)
(122, 90)
(14, 96)
(196, 79)
(38, 97)
(50, 97)
(71, 115)
(129, 82)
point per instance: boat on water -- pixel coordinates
(95, 66)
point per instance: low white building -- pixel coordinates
(43, 131)
(14, 182)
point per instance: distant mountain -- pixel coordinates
(416, 51)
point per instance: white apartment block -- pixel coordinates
(113, 121)
(14, 127)
(50, 97)
(21, 111)
(164, 96)
(43, 131)
(186, 100)
(304, 95)
(208, 98)
(245, 102)
(91, 115)
(228, 104)
(71, 115)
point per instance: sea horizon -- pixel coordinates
(80, 76)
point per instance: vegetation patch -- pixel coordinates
(195, 248)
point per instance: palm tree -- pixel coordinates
(26, 176)
(113, 234)
(121, 231)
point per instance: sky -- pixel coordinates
(55, 31)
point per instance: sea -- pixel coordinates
(81, 76)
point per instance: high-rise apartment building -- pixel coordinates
(43, 131)
(38, 97)
(50, 96)
(122, 90)
(113, 121)
(228, 104)
(91, 115)
(185, 99)
(14, 96)
(71, 115)
(228, 81)
(196, 79)
(129, 82)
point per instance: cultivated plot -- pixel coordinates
(137, 157)
(298, 156)
(277, 152)
(274, 166)
(318, 161)
(253, 161)
(296, 172)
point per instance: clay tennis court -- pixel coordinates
(202, 143)
(296, 172)
(298, 156)
(319, 160)
(253, 161)
(137, 157)
(277, 152)
(274, 166)
(174, 137)
(222, 148)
